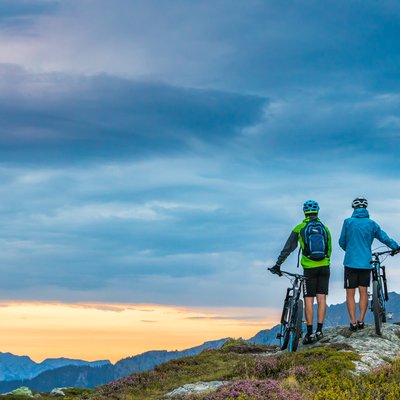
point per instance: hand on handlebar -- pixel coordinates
(395, 251)
(276, 269)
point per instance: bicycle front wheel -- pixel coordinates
(284, 336)
(284, 330)
(377, 308)
(296, 327)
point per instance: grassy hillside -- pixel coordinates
(257, 373)
(324, 373)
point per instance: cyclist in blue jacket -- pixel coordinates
(358, 233)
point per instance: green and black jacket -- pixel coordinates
(296, 237)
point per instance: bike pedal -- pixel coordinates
(278, 335)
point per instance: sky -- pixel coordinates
(158, 153)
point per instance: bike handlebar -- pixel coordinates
(381, 253)
(301, 277)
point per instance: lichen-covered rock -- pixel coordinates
(193, 388)
(22, 391)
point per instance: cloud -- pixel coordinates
(62, 117)
(163, 152)
(22, 12)
(72, 234)
(286, 45)
(225, 317)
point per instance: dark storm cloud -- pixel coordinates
(79, 118)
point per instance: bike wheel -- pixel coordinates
(284, 336)
(377, 308)
(285, 318)
(296, 327)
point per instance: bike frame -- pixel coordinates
(379, 290)
(294, 292)
(379, 275)
(290, 325)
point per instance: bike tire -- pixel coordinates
(284, 340)
(377, 308)
(285, 318)
(296, 327)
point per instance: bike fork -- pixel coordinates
(286, 306)
(385, 291)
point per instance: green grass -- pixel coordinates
(208, 366)
(234, 362)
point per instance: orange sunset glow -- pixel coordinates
(115, 331)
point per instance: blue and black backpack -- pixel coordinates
(315, 238)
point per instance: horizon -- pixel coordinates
(160, 153)
(254, 322)
(115, 331)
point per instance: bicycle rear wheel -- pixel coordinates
(296, 327)
(377, 308)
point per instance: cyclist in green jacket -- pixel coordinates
(316, 248)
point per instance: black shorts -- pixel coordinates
(355, 277)
(317, 282)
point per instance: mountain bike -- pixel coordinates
(379, 290)
(292, 313)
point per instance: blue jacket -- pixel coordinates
(358, 233)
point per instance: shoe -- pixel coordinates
(308, 339)
(360, 325)
(318, 335)
(353, 327)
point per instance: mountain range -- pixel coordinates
(63, 372)
(90, 376)
(14, 367)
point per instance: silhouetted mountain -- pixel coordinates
(53, 363)
(14, 367)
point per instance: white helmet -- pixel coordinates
(359, 202)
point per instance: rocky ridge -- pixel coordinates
(374, 351)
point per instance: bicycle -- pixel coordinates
(292, 313)
(379, 290)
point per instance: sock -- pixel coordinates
(309, 329)
(319, 327)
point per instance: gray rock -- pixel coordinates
(193, 388)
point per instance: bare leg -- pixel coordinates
(309, 302)
(351, 304)
(363, 304)
(321, 300)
